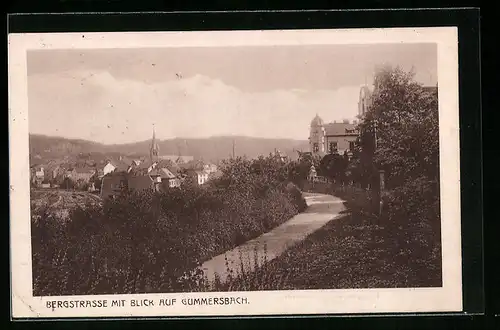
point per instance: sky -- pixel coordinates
(118, 95)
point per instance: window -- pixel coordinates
(351, 145)
(333, 147)
(316, 147)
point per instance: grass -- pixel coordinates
(354, 251)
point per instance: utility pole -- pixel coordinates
(233, 148)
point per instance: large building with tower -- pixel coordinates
(340, 137)
(325, 138)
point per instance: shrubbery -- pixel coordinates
(154, 242)
(400, 135)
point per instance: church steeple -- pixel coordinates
(154, 151)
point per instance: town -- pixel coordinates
(111, 177)
(319, 217)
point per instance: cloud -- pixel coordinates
(95, 105)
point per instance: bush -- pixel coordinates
(154, 242)
(414, 210)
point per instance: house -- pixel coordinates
(196, 176)
(100, 173)
(37, 174)
(114, 184)
(108, 168)
(121, 165)
(59, 174)
(365, 100)
(168, 179)
(332, 137)
(83, 174)
(50, 172)
(210, 168)
(143, 168)
(177, 158)
(143, 182)
(55, 172)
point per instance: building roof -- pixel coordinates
(167, 163)
(127, 161)
(117, 174)
(165, 173)
(121, 167)
(317, 121)
(88, 170)
(191, 171)
(144, 165)
(177, 158)
(340, 129)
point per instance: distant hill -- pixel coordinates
(213, 148)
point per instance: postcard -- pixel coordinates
(234, 173)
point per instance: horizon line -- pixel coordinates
(172, 138)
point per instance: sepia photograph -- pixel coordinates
(220, 173)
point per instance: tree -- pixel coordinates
(68, 183)
(403, 122)
(97, 183)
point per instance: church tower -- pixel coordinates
(155, 149)
(317, 136)
(364, 102)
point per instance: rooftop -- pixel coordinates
(340, 129)
(84, 170)
(177, 158)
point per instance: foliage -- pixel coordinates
(403, 119)
(155, 242)
(351, 252)
(400, 135)
(334, 166)
(68, 183)
(97, 182)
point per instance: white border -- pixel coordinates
(445, 299)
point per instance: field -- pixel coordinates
(61, 201)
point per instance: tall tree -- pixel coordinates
(401, 131)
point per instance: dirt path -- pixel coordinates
(321, 209)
